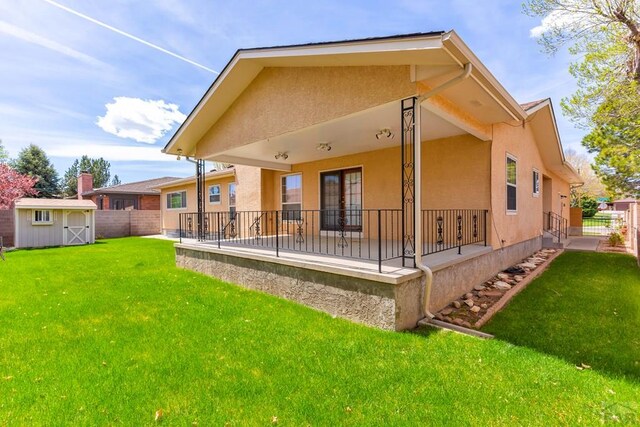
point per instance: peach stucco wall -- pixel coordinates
(282, 100)
(508, 229)
(456, 176)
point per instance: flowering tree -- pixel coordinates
(14, 185)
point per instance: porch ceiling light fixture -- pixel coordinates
(385, 133)
(179, 154)
(323, 146)
(282, 155)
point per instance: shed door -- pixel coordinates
(76, 227)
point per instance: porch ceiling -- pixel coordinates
(347, 135)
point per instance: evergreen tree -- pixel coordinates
(98, 168)
(115, 180)
(33, 161)
(4, 156)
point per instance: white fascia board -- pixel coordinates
(250, 162)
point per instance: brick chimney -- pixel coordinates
(85, 183)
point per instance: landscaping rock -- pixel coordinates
(439, 316)
(527, 265)
(458, 321)
(468, 295)
(518, 278)
(466, 324)
(503, 276)
(447, 319)
(493, 294)
(469, 302)
(475, 309)
(447, 311)
(484, 306)
(456, 304)
(481, 294)
(479, 288)
(502, 285)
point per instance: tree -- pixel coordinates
(98, 168)
(589, 207)
(4, 156)
(33, 161)
(14, 185)
(606, 34)
(115, 180)
(592, 184)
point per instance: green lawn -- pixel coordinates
(584, 309)
(109, 333)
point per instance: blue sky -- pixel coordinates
(74, 87)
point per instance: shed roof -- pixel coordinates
(71, 204)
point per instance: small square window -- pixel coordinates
(214, 194)
(42, 217)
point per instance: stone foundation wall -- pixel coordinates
(378, 304)
(451, 282)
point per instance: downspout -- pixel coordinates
(418, 182)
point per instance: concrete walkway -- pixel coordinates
(584, 243)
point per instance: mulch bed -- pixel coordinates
(475, 308)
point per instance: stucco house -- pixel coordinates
(224, 190)
(139, 195)
(392, 175)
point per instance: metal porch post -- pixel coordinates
(408, 154)
(200, 198)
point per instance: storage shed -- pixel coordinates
(54, 222)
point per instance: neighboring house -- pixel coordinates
(140, 195)
(54, 222)
(623, 204)
(351, 215)
(225, 190)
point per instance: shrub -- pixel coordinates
(589, 207)
(616, 239)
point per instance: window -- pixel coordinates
(214, 194)
(42, 217)
(232, 199)
(291, 197)
(536, 183)
(512, 193)
(341, 200)
(177, 200)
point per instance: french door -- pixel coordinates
(341, 199)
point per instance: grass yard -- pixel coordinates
(107, 334)
(584, 309)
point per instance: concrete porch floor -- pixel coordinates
(392, 270)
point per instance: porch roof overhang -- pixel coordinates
(545, 128)
(433, 58)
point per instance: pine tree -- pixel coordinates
(33, 161)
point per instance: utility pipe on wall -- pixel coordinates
(418, 181)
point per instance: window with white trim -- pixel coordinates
(177, 200)
(42, 217)
(214, 194)
(291, 196)
(536, 183)
(512, 184)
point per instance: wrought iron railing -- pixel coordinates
(445, 229)
(555, 225)
(365, 234)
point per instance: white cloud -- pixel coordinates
(30, 37)
(111, 152)
(558, 20)
(139, 119)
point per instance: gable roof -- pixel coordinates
(443, 52)
(207, 176)
(29, 203)
(542, 119)
(146, 187)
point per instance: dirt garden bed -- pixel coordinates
(475, 308)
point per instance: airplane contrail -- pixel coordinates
(130, 36)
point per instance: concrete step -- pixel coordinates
(551, 242)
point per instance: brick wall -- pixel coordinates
(127, 223)
(7, 228)
(148, 202)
